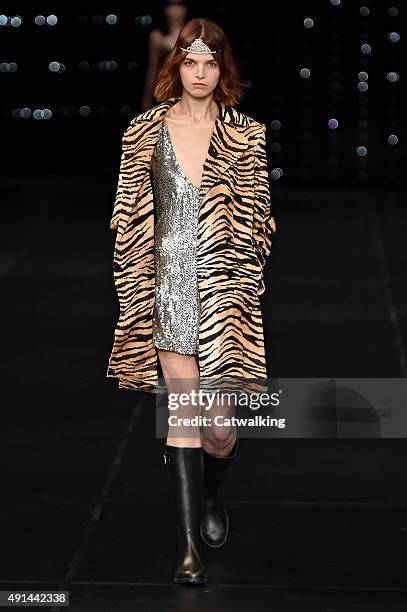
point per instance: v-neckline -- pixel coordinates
(176, 158)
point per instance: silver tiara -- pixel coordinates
(198, 46)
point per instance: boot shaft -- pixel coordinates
(216, 468)
(186, 469)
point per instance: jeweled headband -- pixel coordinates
(198, 46)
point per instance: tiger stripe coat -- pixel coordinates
(234, 235)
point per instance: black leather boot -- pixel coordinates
(215, 522)
(186, 470)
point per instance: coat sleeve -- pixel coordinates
(264, 226)
(123, 190)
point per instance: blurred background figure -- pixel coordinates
(160, 43)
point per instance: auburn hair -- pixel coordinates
(229, 89)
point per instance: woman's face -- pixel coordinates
(199, 68)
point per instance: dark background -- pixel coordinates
(271, 46)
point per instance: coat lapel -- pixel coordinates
(227, 144)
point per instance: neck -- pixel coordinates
(174, 25)
(196, 108)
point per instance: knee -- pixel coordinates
(220, 446)
(218, 434)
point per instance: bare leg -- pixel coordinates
(218, 440)
(181, 375)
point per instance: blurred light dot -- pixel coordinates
(333, 123)
(363, 76)
(364, 11)
(308, 23)
(16, 21)
(363, 86)
(275, 124)
(361, 151)
(52, 20)
(25, 113)
(84, 66)
(111, 19)
(54, 66)
(392, 77)
(276, 174)
(146, 20)
(366, 49)
(84, 111)
(393, 37)
(39, 20)
(393, 11)
(47, 113)
(305, 73)
(3, 20)
(38, 114)
(275, 147)
(4, 67)
(111, 65)
(335, 2)
(392, 139)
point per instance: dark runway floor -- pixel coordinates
(316, 524)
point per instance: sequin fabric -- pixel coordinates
(177, 307)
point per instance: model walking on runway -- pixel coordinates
(194, 228)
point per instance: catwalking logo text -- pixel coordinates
(222, 421)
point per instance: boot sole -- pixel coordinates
(202, 580)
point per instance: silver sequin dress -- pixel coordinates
(177, 306)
